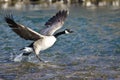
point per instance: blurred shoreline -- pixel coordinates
(62, 4)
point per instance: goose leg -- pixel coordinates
(39, 58)
(37, 51)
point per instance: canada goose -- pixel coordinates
(43, 40)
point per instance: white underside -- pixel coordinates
(47, 42)
(44, 43)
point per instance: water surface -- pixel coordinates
(92, 52)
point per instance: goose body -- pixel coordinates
(41, 44)
(43, 40)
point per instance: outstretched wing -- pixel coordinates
(55, 23)
(22, 31)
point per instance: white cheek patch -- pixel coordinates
(66, 32)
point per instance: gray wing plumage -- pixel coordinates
(22, 31)
(55, 23)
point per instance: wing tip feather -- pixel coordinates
(9, 19)
(60, 16)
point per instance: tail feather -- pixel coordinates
(27, 49)
(26, 54)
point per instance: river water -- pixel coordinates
(92, 52)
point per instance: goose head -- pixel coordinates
(66, 31)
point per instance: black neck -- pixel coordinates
(59, 33)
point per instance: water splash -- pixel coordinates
(18, 58)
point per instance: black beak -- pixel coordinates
(71, 31)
